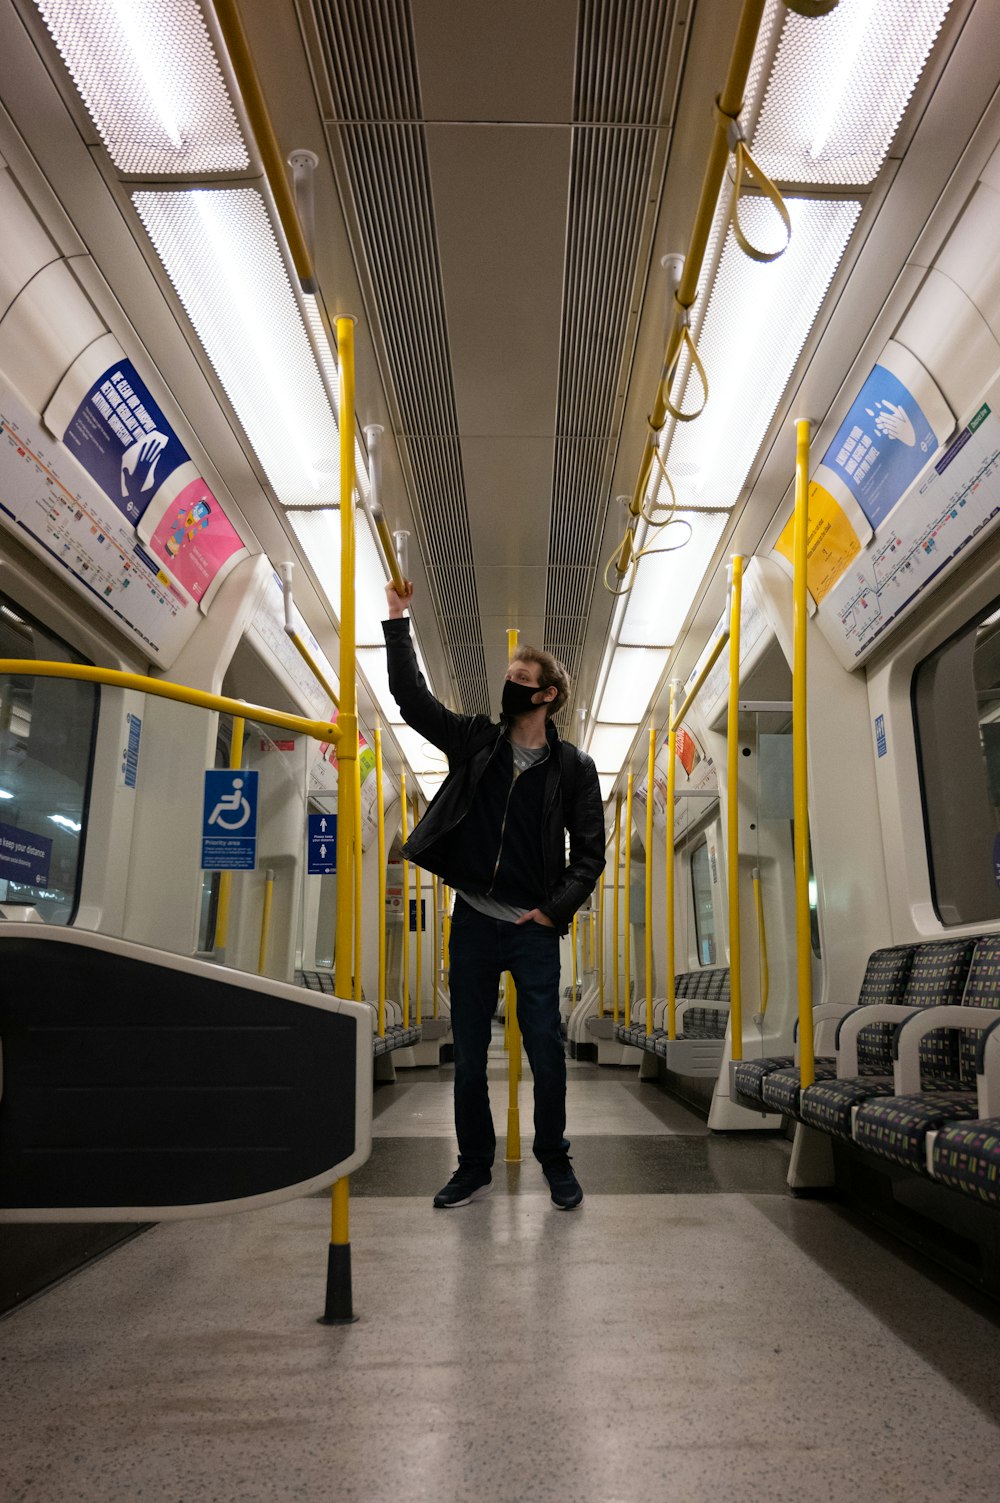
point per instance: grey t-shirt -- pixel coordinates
(524, 757)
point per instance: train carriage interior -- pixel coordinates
(661, 336)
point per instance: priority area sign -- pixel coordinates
(321, 848)
(229, 822)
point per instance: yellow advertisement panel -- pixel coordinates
(833, 542)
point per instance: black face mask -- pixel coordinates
(516, 699)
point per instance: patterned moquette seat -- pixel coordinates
(937, 979)
(966, 1156)
(897, 1127)
(885, 979)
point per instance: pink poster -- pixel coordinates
(194, 539)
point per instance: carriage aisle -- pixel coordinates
(662, 1341)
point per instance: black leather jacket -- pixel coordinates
(468, 742)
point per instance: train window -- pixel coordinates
(956, 712)
(704, 912)
(47, 734)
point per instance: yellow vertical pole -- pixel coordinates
(573, 941)
(733, 812)
(380, 817)
(669, 915)
(800, 771)
(436, 961)
(265, 921)
(406, 904)
(650, 775)
(446, 933)
(339, 1306)
(358, 871)
(600, 944)
(418, 879)
(511, 1026)
(627, 1004)
(226, 878)
(615, 940)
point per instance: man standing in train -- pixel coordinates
(495, 832)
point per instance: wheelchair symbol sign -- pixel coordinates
(229, 821)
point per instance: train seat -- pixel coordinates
(965, 1155)
(937, 978)
(396, 1036)
(702, 1018)
(884, 982)
(897, 1127)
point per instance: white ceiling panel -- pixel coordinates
(500, 202)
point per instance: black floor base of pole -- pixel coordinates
(339, 1308)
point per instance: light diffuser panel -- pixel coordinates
(147, 74)
(839, 86)
(219, 251)
(319, 533)
(666, 583)
(631, 679)
(609, 745)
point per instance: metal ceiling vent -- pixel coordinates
(618, 160)
(371, 67)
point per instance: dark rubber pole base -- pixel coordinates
(339, 1309)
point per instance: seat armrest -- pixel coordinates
(824, 1036)
(988, 1068)
(906, 1042)
(851, 1025)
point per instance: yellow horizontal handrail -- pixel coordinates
(320, 730)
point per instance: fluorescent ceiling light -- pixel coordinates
(5, 794)
(666, 583)
(430, 782)
(607, 782)
(609, 745)
(67, 824)
(631, 678)
(219, 250)
(6, 611)
(319, 533)
(422, 756)
(839, 86)
(755, 325)
(148, 76)
(372, 663)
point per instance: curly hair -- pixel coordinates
(550, 672)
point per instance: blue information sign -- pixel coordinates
(882, 445)
(322, 846)
(24, 856)
(123, 440)
(130, 752)
(881, 743)
(413, 915)
(229, 822)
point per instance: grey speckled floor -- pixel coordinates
(690, 1334)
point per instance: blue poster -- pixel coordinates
(882, 445)
(413, 915)
(321, 852)
(123, 440)
(130, 752)
(24, 856)
(229, 822)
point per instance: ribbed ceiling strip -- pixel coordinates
(621, 71)
(371, 64)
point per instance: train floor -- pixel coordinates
(691, 1333)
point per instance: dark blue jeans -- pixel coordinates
(481, 950)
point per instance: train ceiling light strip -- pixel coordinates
(652, 613)
(149, 78)
(839, 86)
(319, 533)
(218, 248)
(756, 321)
(609, 745)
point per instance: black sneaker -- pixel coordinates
(563, 1183)
(464, 1186)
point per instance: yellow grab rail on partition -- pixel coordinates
(406, 903)
(436, 953)
(697, 686)
(671, 938)
(733, 812)
(614, 905)
(380, 827)
(600, 944)
(800, 767)
(627, 1002)
(512, 1028)
(765, 978)
(357, 880)
(418, 881)
(226, 878)
(320, 730)
(650, 773)
(574, 936)
(265, 921)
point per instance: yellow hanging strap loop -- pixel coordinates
(687, 344)
(745, 169)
